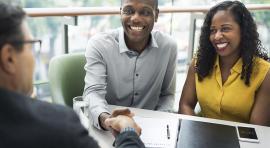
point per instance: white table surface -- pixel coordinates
(105, 139)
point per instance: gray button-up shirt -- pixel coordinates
(120, 76)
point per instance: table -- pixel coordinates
(105, 139)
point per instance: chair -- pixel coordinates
(66, 77)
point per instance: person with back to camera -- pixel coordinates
(229, 76)
(29, 123)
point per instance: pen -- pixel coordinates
(168, 131)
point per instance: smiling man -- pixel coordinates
(131, 66)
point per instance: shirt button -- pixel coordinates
(136, 94)
(137, 75)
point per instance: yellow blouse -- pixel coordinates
(233, 100)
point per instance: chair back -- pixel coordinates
(66, 77)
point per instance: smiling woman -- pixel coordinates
(232, 65)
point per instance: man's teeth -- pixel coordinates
(222, 45)
(136, 28)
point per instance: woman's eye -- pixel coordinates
(212, 31)
(225, 29)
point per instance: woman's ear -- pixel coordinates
(8, 59)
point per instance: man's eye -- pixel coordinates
(146, 13)
(128, 11)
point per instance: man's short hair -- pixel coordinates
(156, 4)
(11, 18)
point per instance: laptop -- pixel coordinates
(196, 134)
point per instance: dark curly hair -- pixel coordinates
(250, 44)
(11, 18)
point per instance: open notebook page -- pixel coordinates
(154, 131)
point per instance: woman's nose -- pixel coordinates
(218, 35)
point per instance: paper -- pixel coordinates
(155, 132)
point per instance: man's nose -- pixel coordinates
(135, 17)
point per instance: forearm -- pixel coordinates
(261, 121)
(186, 109)
(260, 115)
(97, 106)
(128, 139)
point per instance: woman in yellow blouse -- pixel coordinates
(230, 75)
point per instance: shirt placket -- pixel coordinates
(221, 88)
(227, 83)
(135, 92)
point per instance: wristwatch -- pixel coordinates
(127, 129)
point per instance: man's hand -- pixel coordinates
(120, 122)
(122, 111)
(102, 117)
(115, 113)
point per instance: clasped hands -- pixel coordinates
(119, 120)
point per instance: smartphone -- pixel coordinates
(247, 134)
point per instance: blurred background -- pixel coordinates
(178, 25)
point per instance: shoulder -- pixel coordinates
(164, 39)
(104, 38)
(260, 71)
(192, 66)
(48, 112)
(62, 123)
(264, 67)
(261, 66)
(45, 122)
(266, 81)
(262, 63)
(53, 117)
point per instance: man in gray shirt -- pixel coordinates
(130, 66)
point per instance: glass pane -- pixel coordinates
(49, 29)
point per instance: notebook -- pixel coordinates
(195, 134)
(186, 134)
(158, 133)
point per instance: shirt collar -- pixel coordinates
(217, 61)
(122, 44)
(237, 66)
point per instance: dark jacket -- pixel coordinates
(28, 123)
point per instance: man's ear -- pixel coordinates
(8, 59)
(156, 16)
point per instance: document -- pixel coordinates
(158, 132)
(166, 133)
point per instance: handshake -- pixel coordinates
(119, 121)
